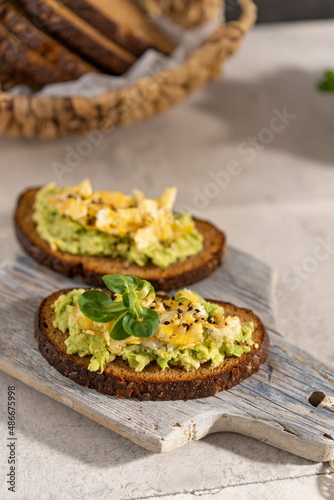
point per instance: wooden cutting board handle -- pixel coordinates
(287, 404)
(282, 405)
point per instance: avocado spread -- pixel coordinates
(80, 221)
(191, 332)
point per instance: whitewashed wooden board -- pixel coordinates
(271, 406)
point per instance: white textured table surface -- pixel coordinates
(279, 206)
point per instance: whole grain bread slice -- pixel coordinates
(30, 67)
(122, 22)
(119, 379)
(14, 20)
(79, 35)
(9, 76)
(92, 268)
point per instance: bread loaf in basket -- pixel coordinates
(63, 40)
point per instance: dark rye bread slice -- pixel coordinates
(152, 384)
(61, 22)
(10, 76)
(13, 19)
(91, 269)
(122, 22)
(32, 67)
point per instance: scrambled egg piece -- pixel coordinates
(146, 221)
(183, 324)
(225, 329)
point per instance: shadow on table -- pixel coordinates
(325, 482)
(247, 107)
(69, 433)
(253, 450)
(63, 430)
(90, 443)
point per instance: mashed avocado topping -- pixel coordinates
(78, 220)
(191, 332)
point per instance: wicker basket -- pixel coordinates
(187, 13)
(51, 117)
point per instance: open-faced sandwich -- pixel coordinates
(75, 230)
(131, 342)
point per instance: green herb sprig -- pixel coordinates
(328, 84)
(132, 318)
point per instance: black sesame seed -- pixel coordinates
(197, 310)
(180, 303)
(196, 320)
(166, 322)
(190, 308)
(180, 311)
(91, 220)
(187, 327)
(152, 307)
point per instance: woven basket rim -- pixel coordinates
(17, 112)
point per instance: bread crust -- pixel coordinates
(152, 384)
(136, 41)
(14, 20)
(114, 60)
(91, 269)
(9, 76)
(28, 65)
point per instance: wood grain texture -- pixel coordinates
(271, 406)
